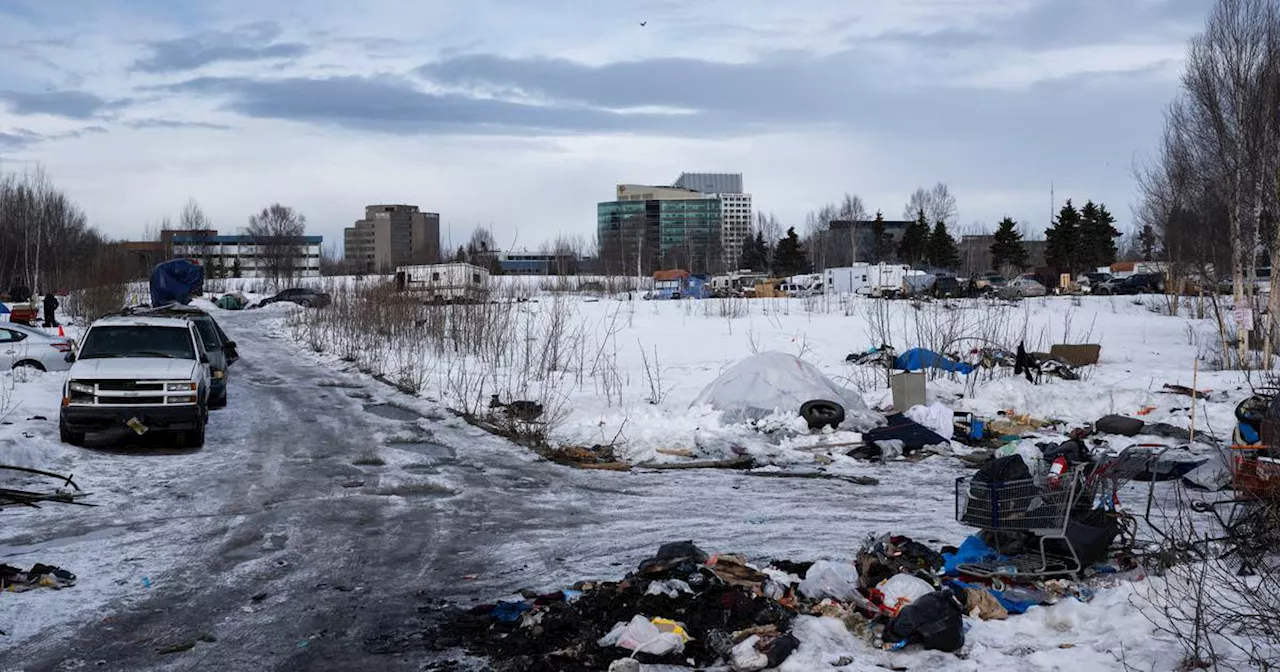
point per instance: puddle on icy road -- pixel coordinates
(392, 412)
(7, 552)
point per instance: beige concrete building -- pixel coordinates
(391, 236)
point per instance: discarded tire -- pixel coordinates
(821, 413)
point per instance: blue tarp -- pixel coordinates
(916, 359)
(1010, 605)
(973, 550)
(176, 281)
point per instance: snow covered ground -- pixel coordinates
(641, 364)
(634, 367)
(301, 485)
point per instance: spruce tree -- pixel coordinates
(755, 254)
(1062, 240)
(1147, 242)
(789, 257)
(943, 252)
(1007, 250)
(1097, 236)
(915, 241)
(883, 242)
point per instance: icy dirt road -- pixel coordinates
(283, 545)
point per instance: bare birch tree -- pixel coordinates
(193, 218)
(1212, 194)
(937, 203)
(277, 236)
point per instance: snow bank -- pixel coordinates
(776, 382)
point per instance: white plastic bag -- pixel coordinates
(937, 417)
(643, 636)
(836, 580)
(670, 588)
(1028, 451)
(900, 590)
(745, 657)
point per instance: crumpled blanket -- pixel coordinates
(15, 580)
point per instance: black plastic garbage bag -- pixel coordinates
(988, 502)
(672, 554)
(1090, 535)
(935, 621)
(1118, 424)
(1003, 470)
(1073, 449)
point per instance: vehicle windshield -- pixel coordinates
(137, 341)
(208, 333)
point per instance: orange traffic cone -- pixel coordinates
(61, 332)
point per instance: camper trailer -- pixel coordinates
(735, 283)
(456, 282)
(679, 284)
(866, 279)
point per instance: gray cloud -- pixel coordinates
(22, 138)
(393, 105)
(70, 104)
(854, 89)
(171, 123)
(18, 139)
(255, 42)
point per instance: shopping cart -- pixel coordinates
(1039, 506)
(1102, 483)
(1250, 529)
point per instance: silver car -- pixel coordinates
(21, 346)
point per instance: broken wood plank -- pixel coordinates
(856, 480)
(677, 452)
(744, 462)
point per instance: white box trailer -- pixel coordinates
(866, 279)
(456, 282)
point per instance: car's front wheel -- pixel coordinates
(192, 438)
(69, 437)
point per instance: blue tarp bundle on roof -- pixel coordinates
(176, 281)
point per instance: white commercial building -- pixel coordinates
(735, 209)
(249, 257)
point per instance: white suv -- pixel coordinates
(139, 373)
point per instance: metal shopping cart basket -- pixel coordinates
(1040, 506)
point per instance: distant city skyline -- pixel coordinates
(517, 116)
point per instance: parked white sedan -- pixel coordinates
(31, 347)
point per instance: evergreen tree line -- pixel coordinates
(784, 258)
(1078, 240)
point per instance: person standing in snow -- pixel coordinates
(50, 307)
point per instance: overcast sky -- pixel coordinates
(522, 115)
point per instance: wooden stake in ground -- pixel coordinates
(1195, 385)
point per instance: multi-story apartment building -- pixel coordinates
(391, 236)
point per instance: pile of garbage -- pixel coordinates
(687, 608)
(15, 580)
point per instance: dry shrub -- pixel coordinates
(1219, 595)
(509, 346)
(104, 289)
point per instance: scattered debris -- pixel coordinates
(1184, 391)
(60, 494)
(15, 580)
(685, 608)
